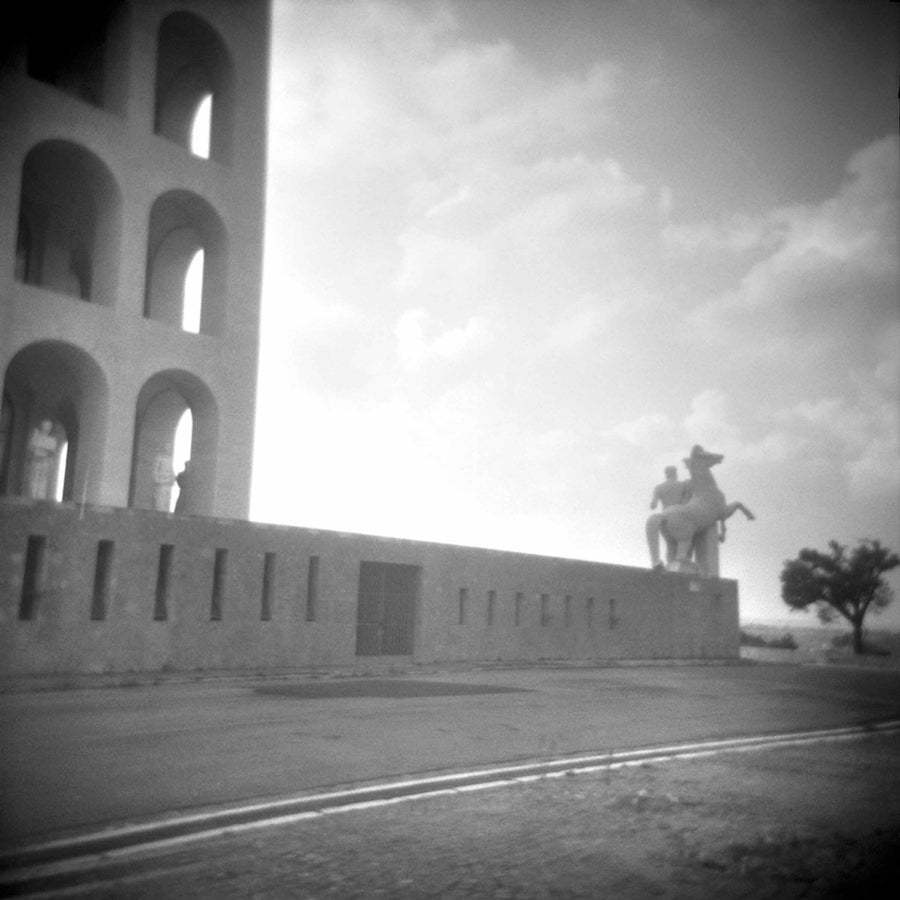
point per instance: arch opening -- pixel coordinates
(176, 431)
(200, 128)
(181, 452)
(54, 412)
(79, 48)
(69, 214)
(193, 294)
(186, 258)
(194, 87)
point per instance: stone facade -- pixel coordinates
(107, 198)
(94, 589)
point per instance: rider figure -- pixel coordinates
(670, 492)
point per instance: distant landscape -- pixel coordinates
(824, 644)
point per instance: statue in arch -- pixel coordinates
(686, 523)
(187, 489)
(163, 479)
(42, 456)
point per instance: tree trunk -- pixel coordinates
(858, 648)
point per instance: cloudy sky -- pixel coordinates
(520, 256)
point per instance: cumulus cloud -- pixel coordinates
(740, 233)
(521, 232)
(416, 347)
(650, 432)
(579, 328)
(860, 432)
(387, 84)
(309, 318)
(486, 151)
(830, 279)
(457, 198)
(444, 265)
(709, 421)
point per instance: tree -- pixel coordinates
(840, 583)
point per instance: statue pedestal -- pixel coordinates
(706, 551)
(684, 567)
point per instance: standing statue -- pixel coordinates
(42, 447)
(163, 479)
(670, 493)
(186, 480)
(684, 522)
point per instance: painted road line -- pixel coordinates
(108, 845)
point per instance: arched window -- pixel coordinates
(194, 86)
(181, 450)
(193, 294)
(176, 424)
(186, 258)
(69, 215)
(200, 129)
(82, 50)
(56, 396)
(62, 459)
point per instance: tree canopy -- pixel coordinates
(842, 582)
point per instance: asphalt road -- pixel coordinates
(814, 821)
(81, 759)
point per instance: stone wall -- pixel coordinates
(96, 589)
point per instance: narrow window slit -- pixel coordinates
(103, 569)
(220, 574)
(35, 576)
(163, 582)
(268, 587)
(312, 589)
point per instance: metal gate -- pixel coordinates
(385, 619)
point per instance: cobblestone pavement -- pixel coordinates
(819, 821)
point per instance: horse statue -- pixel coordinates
(684, 523)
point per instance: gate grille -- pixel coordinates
(385, 619)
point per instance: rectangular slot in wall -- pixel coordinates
(517, 612)
(545, 609)
(491, 603)
(35, 576)
(102, 580)
(163, 582)
(268, 587)
(220, 575)
(463, 603)
(312, 589)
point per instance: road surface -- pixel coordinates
(79, 761)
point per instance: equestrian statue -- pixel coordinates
(688, 524)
